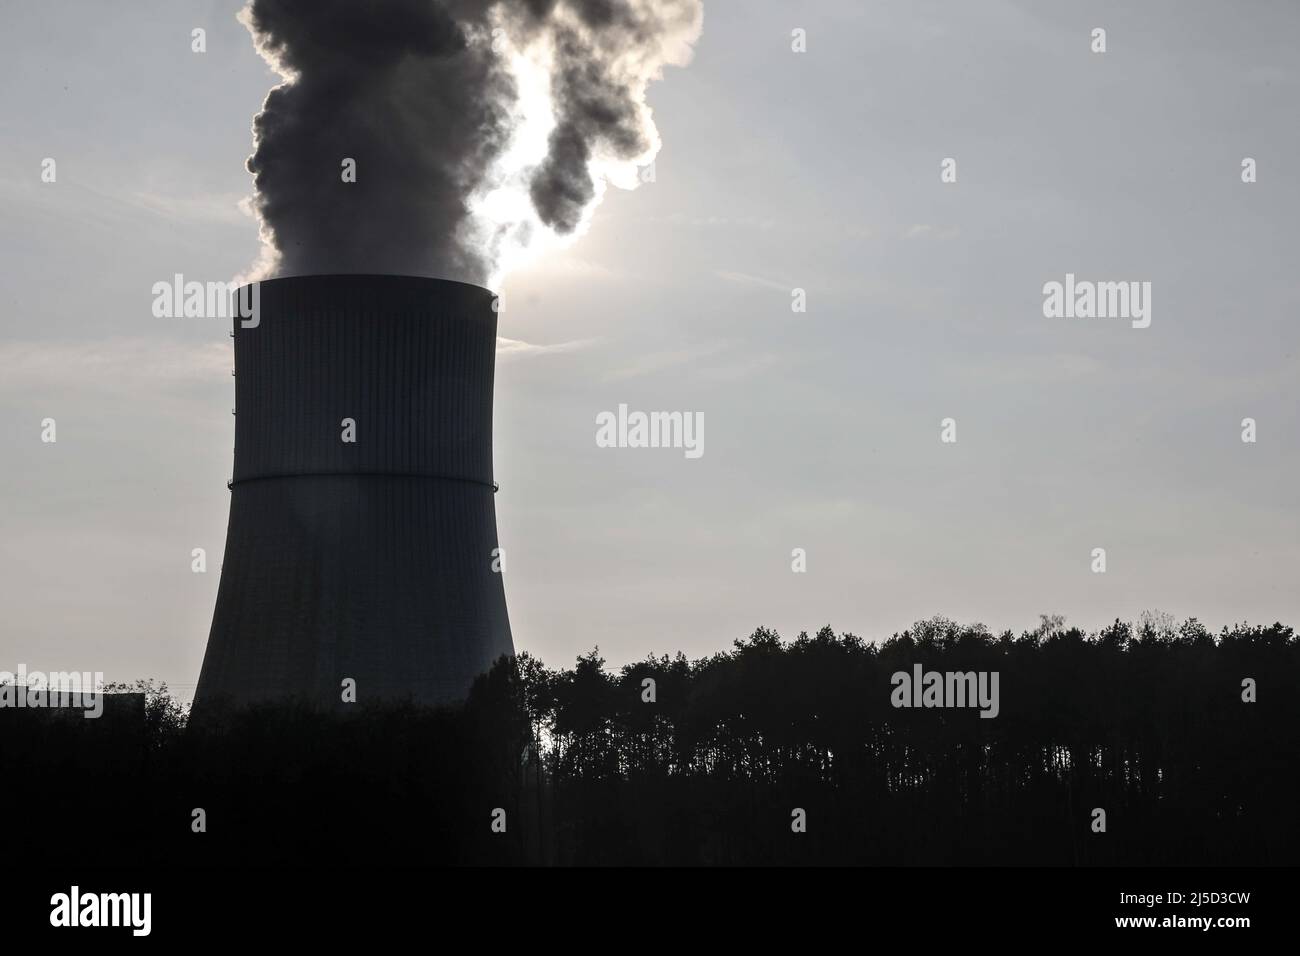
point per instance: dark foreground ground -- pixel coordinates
(577, 766)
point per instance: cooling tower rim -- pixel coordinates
(432, 281)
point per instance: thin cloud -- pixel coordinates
(710, 222)
(745, 278)
(112, 365)
(518, 348)
(653, 362)
(231, 209)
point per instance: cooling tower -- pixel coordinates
(362, 525)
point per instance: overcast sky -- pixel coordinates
(816, 170)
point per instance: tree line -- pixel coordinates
(774, 752)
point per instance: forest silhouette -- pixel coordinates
(579, 766)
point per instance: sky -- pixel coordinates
(780, 170)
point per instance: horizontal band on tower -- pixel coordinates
(366, 474)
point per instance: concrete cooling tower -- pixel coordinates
(362, 525)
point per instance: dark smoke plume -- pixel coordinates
(430, 100)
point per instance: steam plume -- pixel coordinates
(479, 128)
